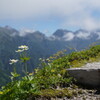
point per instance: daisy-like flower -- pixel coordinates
(19, 50)
(12, 61)
(23, 47)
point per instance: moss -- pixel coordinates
(53, 93)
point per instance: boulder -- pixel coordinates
(87, 77)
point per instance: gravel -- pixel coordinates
(86, 95)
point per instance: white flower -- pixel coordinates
(23, 47)
(19, 50)
(12, 61)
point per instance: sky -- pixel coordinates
(49, 15)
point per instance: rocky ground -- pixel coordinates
(86, 95)
(83, 93)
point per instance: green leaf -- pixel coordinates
(15, 74)
(24, 59)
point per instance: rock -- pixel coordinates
(87, 75)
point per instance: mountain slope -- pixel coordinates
(41, 46)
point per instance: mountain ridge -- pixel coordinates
(59, 33)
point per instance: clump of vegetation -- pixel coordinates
(32, 84)
(77, 59)
(52, 80)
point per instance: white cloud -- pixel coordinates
(75, 13)
(68, 36)
(90, 23)
(98, 33)
(26, 31)
(83, 35)
(35, 8)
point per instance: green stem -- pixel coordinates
(26, 68)
(14, 69)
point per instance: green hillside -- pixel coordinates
(50, 81)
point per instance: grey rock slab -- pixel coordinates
(88, 75)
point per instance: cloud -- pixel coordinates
(26, 31)
(32, 8)
(98, 33)
(68, 36)
(78, 13)
(83, 35)
(91, 23)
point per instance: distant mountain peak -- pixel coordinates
(81, 30)
(61, 32)
(8, 27)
